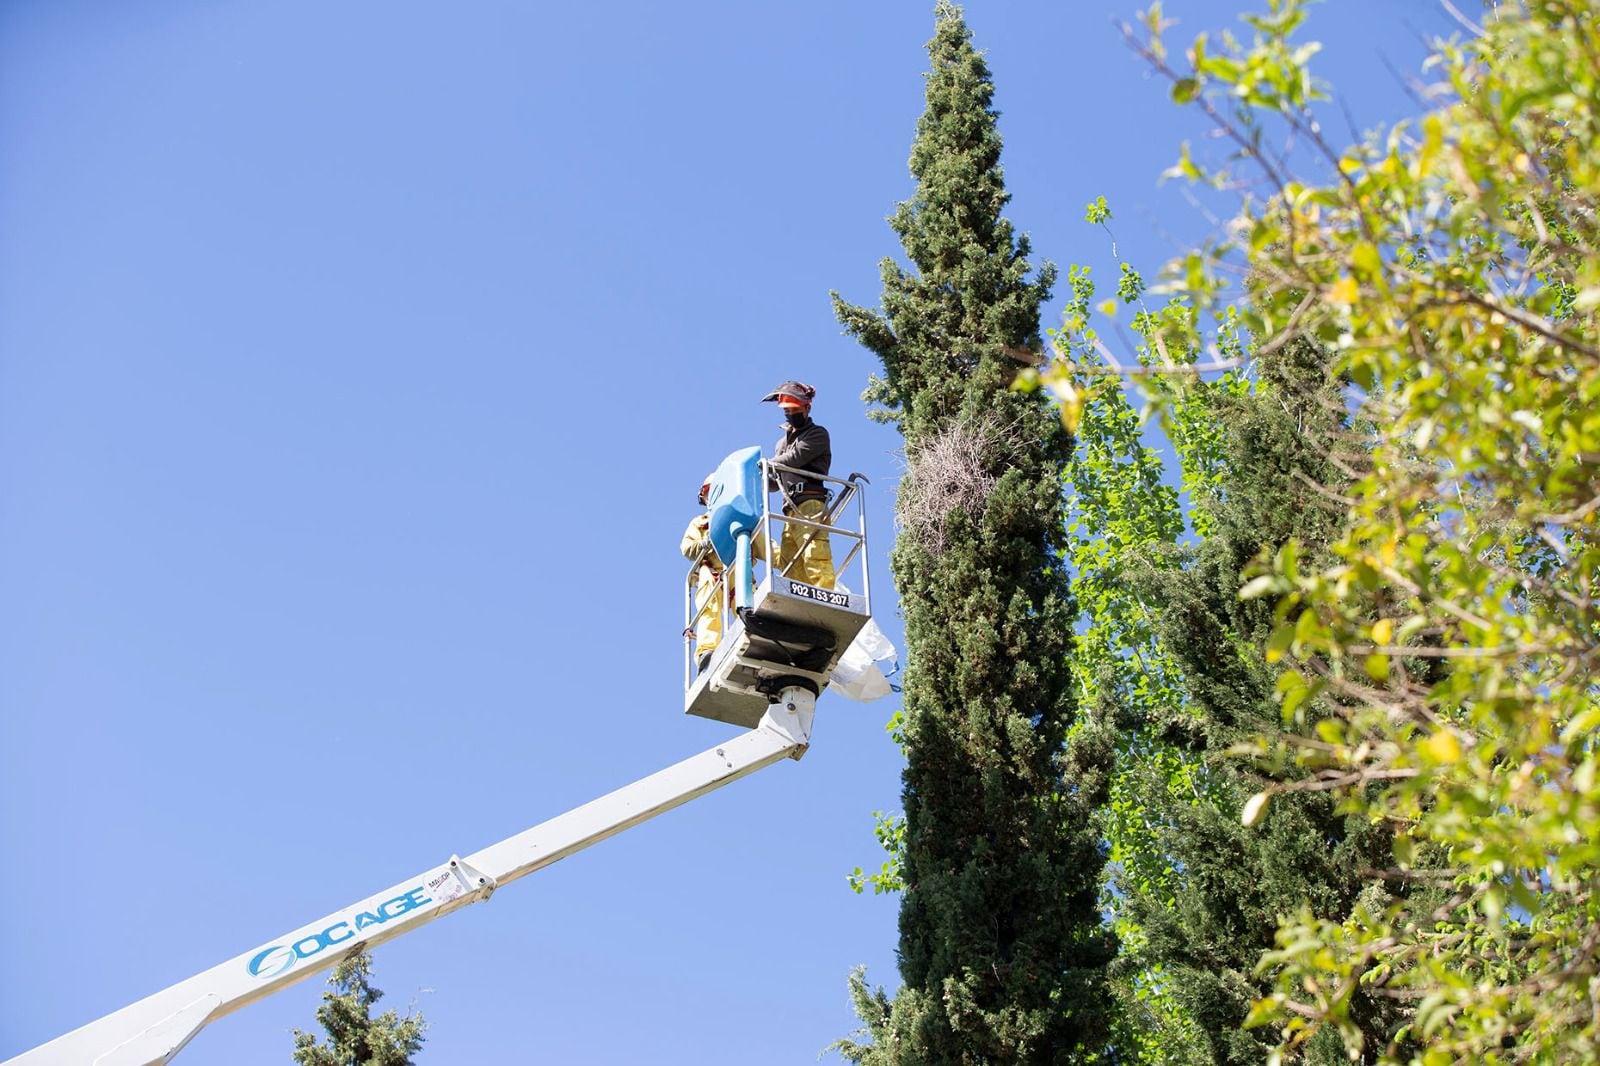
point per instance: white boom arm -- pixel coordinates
(156, 1028)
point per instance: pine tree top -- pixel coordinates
(955, 156)
(950, 327)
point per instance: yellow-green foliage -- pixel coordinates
(1442, 664)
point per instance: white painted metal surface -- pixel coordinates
(730, 689)
(156, 1028)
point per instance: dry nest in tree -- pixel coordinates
(954, 470)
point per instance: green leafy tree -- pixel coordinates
(1168, 645)
(1438, 657)
(1273, 437)
(354, 1036)
(1122, 517)
(1002, 949)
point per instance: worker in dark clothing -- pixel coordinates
(804, 553)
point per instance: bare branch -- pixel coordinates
(1568, 517)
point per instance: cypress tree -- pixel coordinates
(1002, 950)
(1277, 443)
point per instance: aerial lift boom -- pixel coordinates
(778, 653)
(156, 1028)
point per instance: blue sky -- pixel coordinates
(358, 367)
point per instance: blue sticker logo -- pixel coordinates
(272, 961)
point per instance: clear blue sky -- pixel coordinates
(358, 366)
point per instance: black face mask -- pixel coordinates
(796, 417)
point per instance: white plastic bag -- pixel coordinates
(858, 674)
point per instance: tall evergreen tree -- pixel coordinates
(1002, 950)
(1170, 645)
(1276, 460)
(355, 1037)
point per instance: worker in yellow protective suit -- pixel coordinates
(706, 627)
(804, 447)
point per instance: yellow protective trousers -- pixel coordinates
(707, 621)
(708, 598)
(812, 563)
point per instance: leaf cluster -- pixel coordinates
(354, 1037)
(1438, 659)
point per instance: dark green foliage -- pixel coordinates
(1279, 457)
(355, 1037)
(1002, 949)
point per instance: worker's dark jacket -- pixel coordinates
(806, 448)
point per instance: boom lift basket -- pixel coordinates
(792, 633)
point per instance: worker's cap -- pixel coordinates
(705, 485)
(791, 394)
